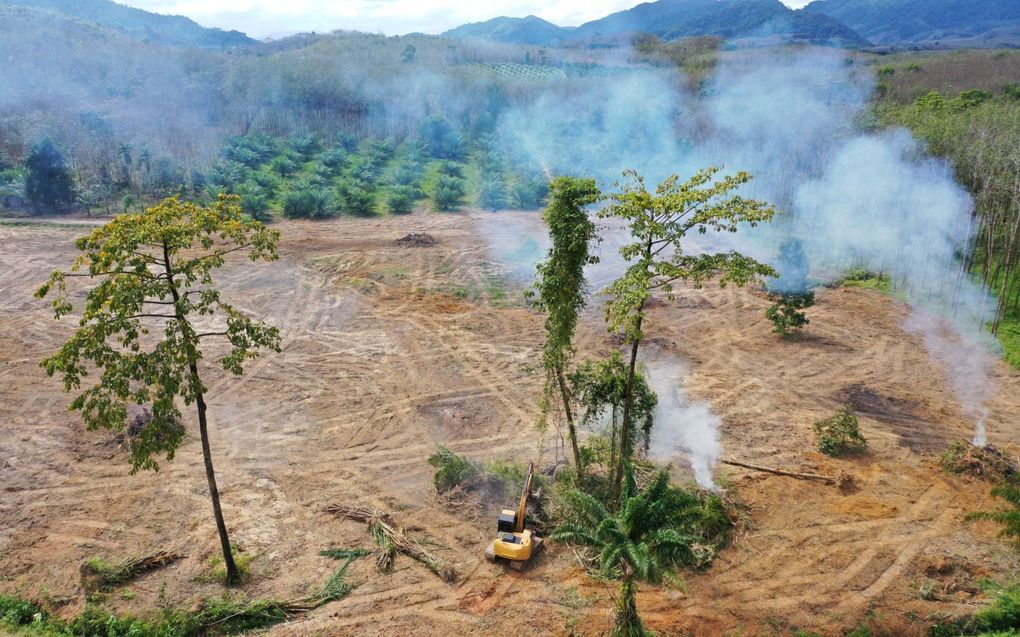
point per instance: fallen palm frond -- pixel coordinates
(392, 539)
(97, 573)
(344, 553)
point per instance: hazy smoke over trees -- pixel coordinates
(799, 122)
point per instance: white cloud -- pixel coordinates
(261, 18)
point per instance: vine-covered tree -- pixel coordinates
(48, 181)
(658, 222)
(562, 288)
(151, 305)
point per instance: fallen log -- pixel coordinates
(392, 539)
(782, 472)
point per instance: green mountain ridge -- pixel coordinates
(898, 22)
(844, 23)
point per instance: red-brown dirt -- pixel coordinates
(390, 349)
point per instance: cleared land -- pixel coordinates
(389, 349)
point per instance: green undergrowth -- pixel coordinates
(866, 279)
(219, 617)
(1000, 617)
(1009, 338)
(223, 616)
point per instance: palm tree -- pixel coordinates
(651, 533)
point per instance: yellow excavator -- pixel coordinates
(515, 544)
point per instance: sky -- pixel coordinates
(271, 18)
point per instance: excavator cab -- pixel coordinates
(515, 544)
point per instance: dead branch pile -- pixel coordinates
(98, 574)
(782, 472)
(392, 539)
(417, 240)
(984, 462)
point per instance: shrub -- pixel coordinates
(451, 168)
(284, 165)
(786, 313)
(254, 203)
(228, 175)
(348, 142)
(449, 193)
(408, 174)
(451, 469)
(307, 201)
(355, 200)
(19, 612)
(441, 139)
(333, 160)
(530, 193)
(493, 193)
(840, 434)
(267, 181)
(305, 146)
(400, 200)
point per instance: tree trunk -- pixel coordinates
(233, 574)
(628, 403)
(628, 622)
(612, 443)
(571, 429)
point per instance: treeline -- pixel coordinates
(979, 132)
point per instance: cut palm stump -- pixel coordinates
(392, 540)
(781, 472)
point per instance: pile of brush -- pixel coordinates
(392, 539)
(984, 462)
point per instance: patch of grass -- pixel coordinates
(1009, 338)
(243, 560)
(863, 278)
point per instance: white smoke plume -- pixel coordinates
(792, 118)
(681, 425)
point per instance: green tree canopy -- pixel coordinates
(658, 223)
(151, 277)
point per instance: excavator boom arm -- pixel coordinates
(522, 507)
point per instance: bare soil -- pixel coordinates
(390, 349)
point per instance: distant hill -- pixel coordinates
(673, 19)
(927, 22)
(729, 19)
(140, 25)
(530, 30)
